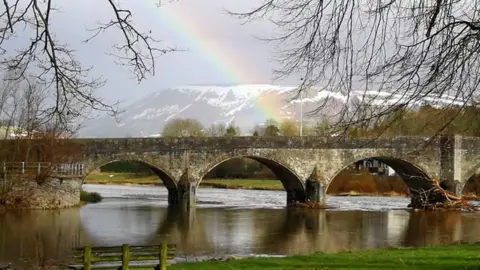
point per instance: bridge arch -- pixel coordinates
(162, 174)
(468, 177)
(415, 176)
(291, 181)
(470, 184)
(471, 188)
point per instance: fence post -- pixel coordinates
(125, 256)
(38, 169)
(163, 257)
(87, 258)
(23, 167)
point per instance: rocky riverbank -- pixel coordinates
(51, 194)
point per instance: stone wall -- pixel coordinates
(179, 145)
(52, 194)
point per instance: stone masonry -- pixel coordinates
(54, 193)
(304, 165)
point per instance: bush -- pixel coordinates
(90, 197)
(364, 182)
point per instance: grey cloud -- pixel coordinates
(191, 67)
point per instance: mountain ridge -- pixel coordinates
(247, 104)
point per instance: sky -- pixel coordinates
(219, 49)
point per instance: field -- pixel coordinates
(445, 257)
(132, 179)
(121, 179)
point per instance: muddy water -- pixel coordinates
(226, 222)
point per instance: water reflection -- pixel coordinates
(218, 231)
(39, 235)
(113, 223)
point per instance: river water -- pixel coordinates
(226, 223)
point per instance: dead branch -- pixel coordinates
(381, 55)
(48, 62)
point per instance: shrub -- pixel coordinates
(90, 197)
(363, 182)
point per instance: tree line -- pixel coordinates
(287, 127)
(424, 120)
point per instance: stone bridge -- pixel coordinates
(304, 165)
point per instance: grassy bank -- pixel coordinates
(255, 184)
(132, 179)
(121, 179)
(446, 257)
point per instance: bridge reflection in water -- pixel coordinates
(29, 236)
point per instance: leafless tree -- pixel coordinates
(54, 63)
(32, 133)
(216, 130)
(22, 106)
(183, 127)
(404, 51)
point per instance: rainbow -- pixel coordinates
(225, 62)
(269, 106)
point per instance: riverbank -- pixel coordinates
(132, 179)
(443, 257)
(126, 179)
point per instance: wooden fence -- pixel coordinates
(123, 257)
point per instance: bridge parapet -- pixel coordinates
(104, 146)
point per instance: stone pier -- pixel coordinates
(316, 188)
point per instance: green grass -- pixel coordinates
(453, 257)
(122, 178)
(132, 179)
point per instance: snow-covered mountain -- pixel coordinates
(247, 105)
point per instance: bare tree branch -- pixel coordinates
(53, 64)
(381, 55)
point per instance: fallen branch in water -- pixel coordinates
(436, 198)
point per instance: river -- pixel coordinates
(226, 223)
